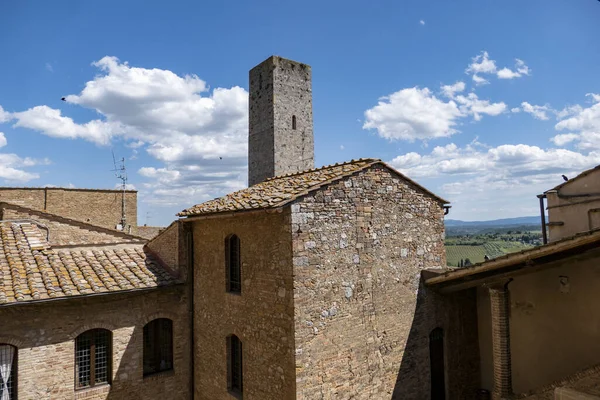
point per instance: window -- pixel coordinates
(232, 256)
(158, 346)
(436, 357)
(8, 372)
(93, 358)
(293, 122)
(234, 365)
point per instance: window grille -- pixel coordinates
(8, 372)
(234, 364)
(232, 255)
(93, 358)
(158, 346)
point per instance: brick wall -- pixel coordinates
(98, 207)
(361, 331)
(262, 316)
(45, 335)
(171, 247)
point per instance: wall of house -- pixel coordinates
(361, 330)
(170, 247)
(554, 327)
(578, 214)
(45, 336)
(262, 316)
(95, 206)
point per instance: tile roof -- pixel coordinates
(280, 190)
(31, 270)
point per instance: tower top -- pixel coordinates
(280, 139)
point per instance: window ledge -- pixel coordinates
(91, 392)
(235, 394)
(159, 375)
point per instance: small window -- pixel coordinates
(8, 372)
(232, 256)
(260, 81)
(293, 122)
(234, 365)
(158, 346)
(93, 358)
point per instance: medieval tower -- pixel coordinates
(281, 120)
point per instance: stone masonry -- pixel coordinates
(280, 92)
(94, 206)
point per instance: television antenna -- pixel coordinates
(121, 174)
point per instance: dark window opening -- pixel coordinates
(158, 346)
(234, 365)
(8, 372)
(294, 122)
(93, 358)
(232, 256)
(436, 357)
(260, 81)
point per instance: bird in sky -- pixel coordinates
(565, 178)
(63, 98)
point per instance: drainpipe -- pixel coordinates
(446, 210)
(543, 216)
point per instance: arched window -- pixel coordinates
(234, 365)
(232, 257)
(293, 122)
(158, 346)
(8, 372)
(93, 358)
(436, 358)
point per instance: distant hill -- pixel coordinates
(504, 222)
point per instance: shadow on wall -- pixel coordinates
(441, 355)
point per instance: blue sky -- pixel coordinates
(485, 103)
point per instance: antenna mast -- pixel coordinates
(121, 174)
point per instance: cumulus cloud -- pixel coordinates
(538, 112)
(194, 131)
(2, 139)
(478, 178)
(4, 115)
(417, 114)
(583, 125)
(482, 64)
(12, 168)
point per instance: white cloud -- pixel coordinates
(197, 132)
(472, 105)
(411, 114)
(538, 112)
(583, 124)
(49, 67)
(451, 90)
(11, 168)
(2, 139)
(422, 22)
(484, 182)
(515, 110)
(482, 64)
(342, 147)
(565, 138)
(4, 115)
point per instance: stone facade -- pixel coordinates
(280, 137)
(94, 206)
(331, 305)
(172, 248)
(45, 337)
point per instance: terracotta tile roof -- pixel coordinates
(31, 270)
(280, 190)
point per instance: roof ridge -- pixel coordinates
(353, 161)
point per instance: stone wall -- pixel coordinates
(171, 247)
(261, 316)
(94, 206)
(45, 336)
(361, 331)
(149, 232)
(65, 231)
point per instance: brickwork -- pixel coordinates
(500, 305)
(171, 247)
(280, 91)
(149, 232)
(261, 316)
(45, 335)
(64, 231)
(97, 207)
(359, 246)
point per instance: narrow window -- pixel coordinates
(436, 357)
(8, 372)
(93, 358)
(260, 81)
(293, 122)
(232, 257)
(158, 346)
(234, 365)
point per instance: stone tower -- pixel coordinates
(281, 120)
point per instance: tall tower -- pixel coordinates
(281, 121)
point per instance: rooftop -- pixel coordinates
(31, 270)
(281, 190)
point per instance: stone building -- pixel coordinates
(306, 284)
(87, 312)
